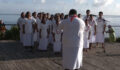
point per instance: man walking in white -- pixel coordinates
(72, 41)
(101, 26)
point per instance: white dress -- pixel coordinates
(28, 36)
(35, 34)
(92, 30)
(43, 43)
(99, 29)
(50, 23)
(57, 44)
(72, 41)
(38, 21)
(86, 35)
(20, 22)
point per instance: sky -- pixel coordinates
(109, 7)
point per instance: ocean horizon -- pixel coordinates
(113, 20)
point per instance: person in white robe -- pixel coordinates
(20, 23)
(44, 33)
(86, 35)
(72, 40)
(57, 34)
(92, 24)
(28, 30)
(100, 30)
(51, 22)
(35, 30)
(38, 22)
(87, 17)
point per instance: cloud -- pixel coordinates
(117, 6)
(37, 1)
(99, 3)
(80, 1)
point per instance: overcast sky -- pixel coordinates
(109, 7)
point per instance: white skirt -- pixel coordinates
(57, 46)
(28, 39)
(72, 57)
(43, 43)
(35, 36)
(100, 37)
(50, 40)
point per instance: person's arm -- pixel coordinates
(89, 35)
(47, 33)
(23, 28)
(53, 36)
(104, 28)
(95, 29)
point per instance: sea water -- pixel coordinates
(112, 20)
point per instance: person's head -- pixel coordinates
(100, 14)
(34, 14)
(88, 12)
(62, 15)
(79, 15)
(51, 17)
(40, 15)
(66, 16)
(22, 15)
(109, 26)
(57, 19)
(44, 18)
(91, 17)
(28, 14)
(72, 12)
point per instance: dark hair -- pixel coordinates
(43, 18)
(22, 14)
(27, 13)
(66, 16)
(100, 12)
(88, 10)
(34, 13)
(72, 12)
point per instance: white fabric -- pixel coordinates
(99, 29)
(20, 22)
(38, 21)
(28, 41)
(57, 43)
(86, 35)
(86, 18)
(28, 36)
(92, 30)
(43, 43)
(72, 41)
(50, 23)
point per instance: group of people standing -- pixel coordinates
(37, 31)
(70, 33)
